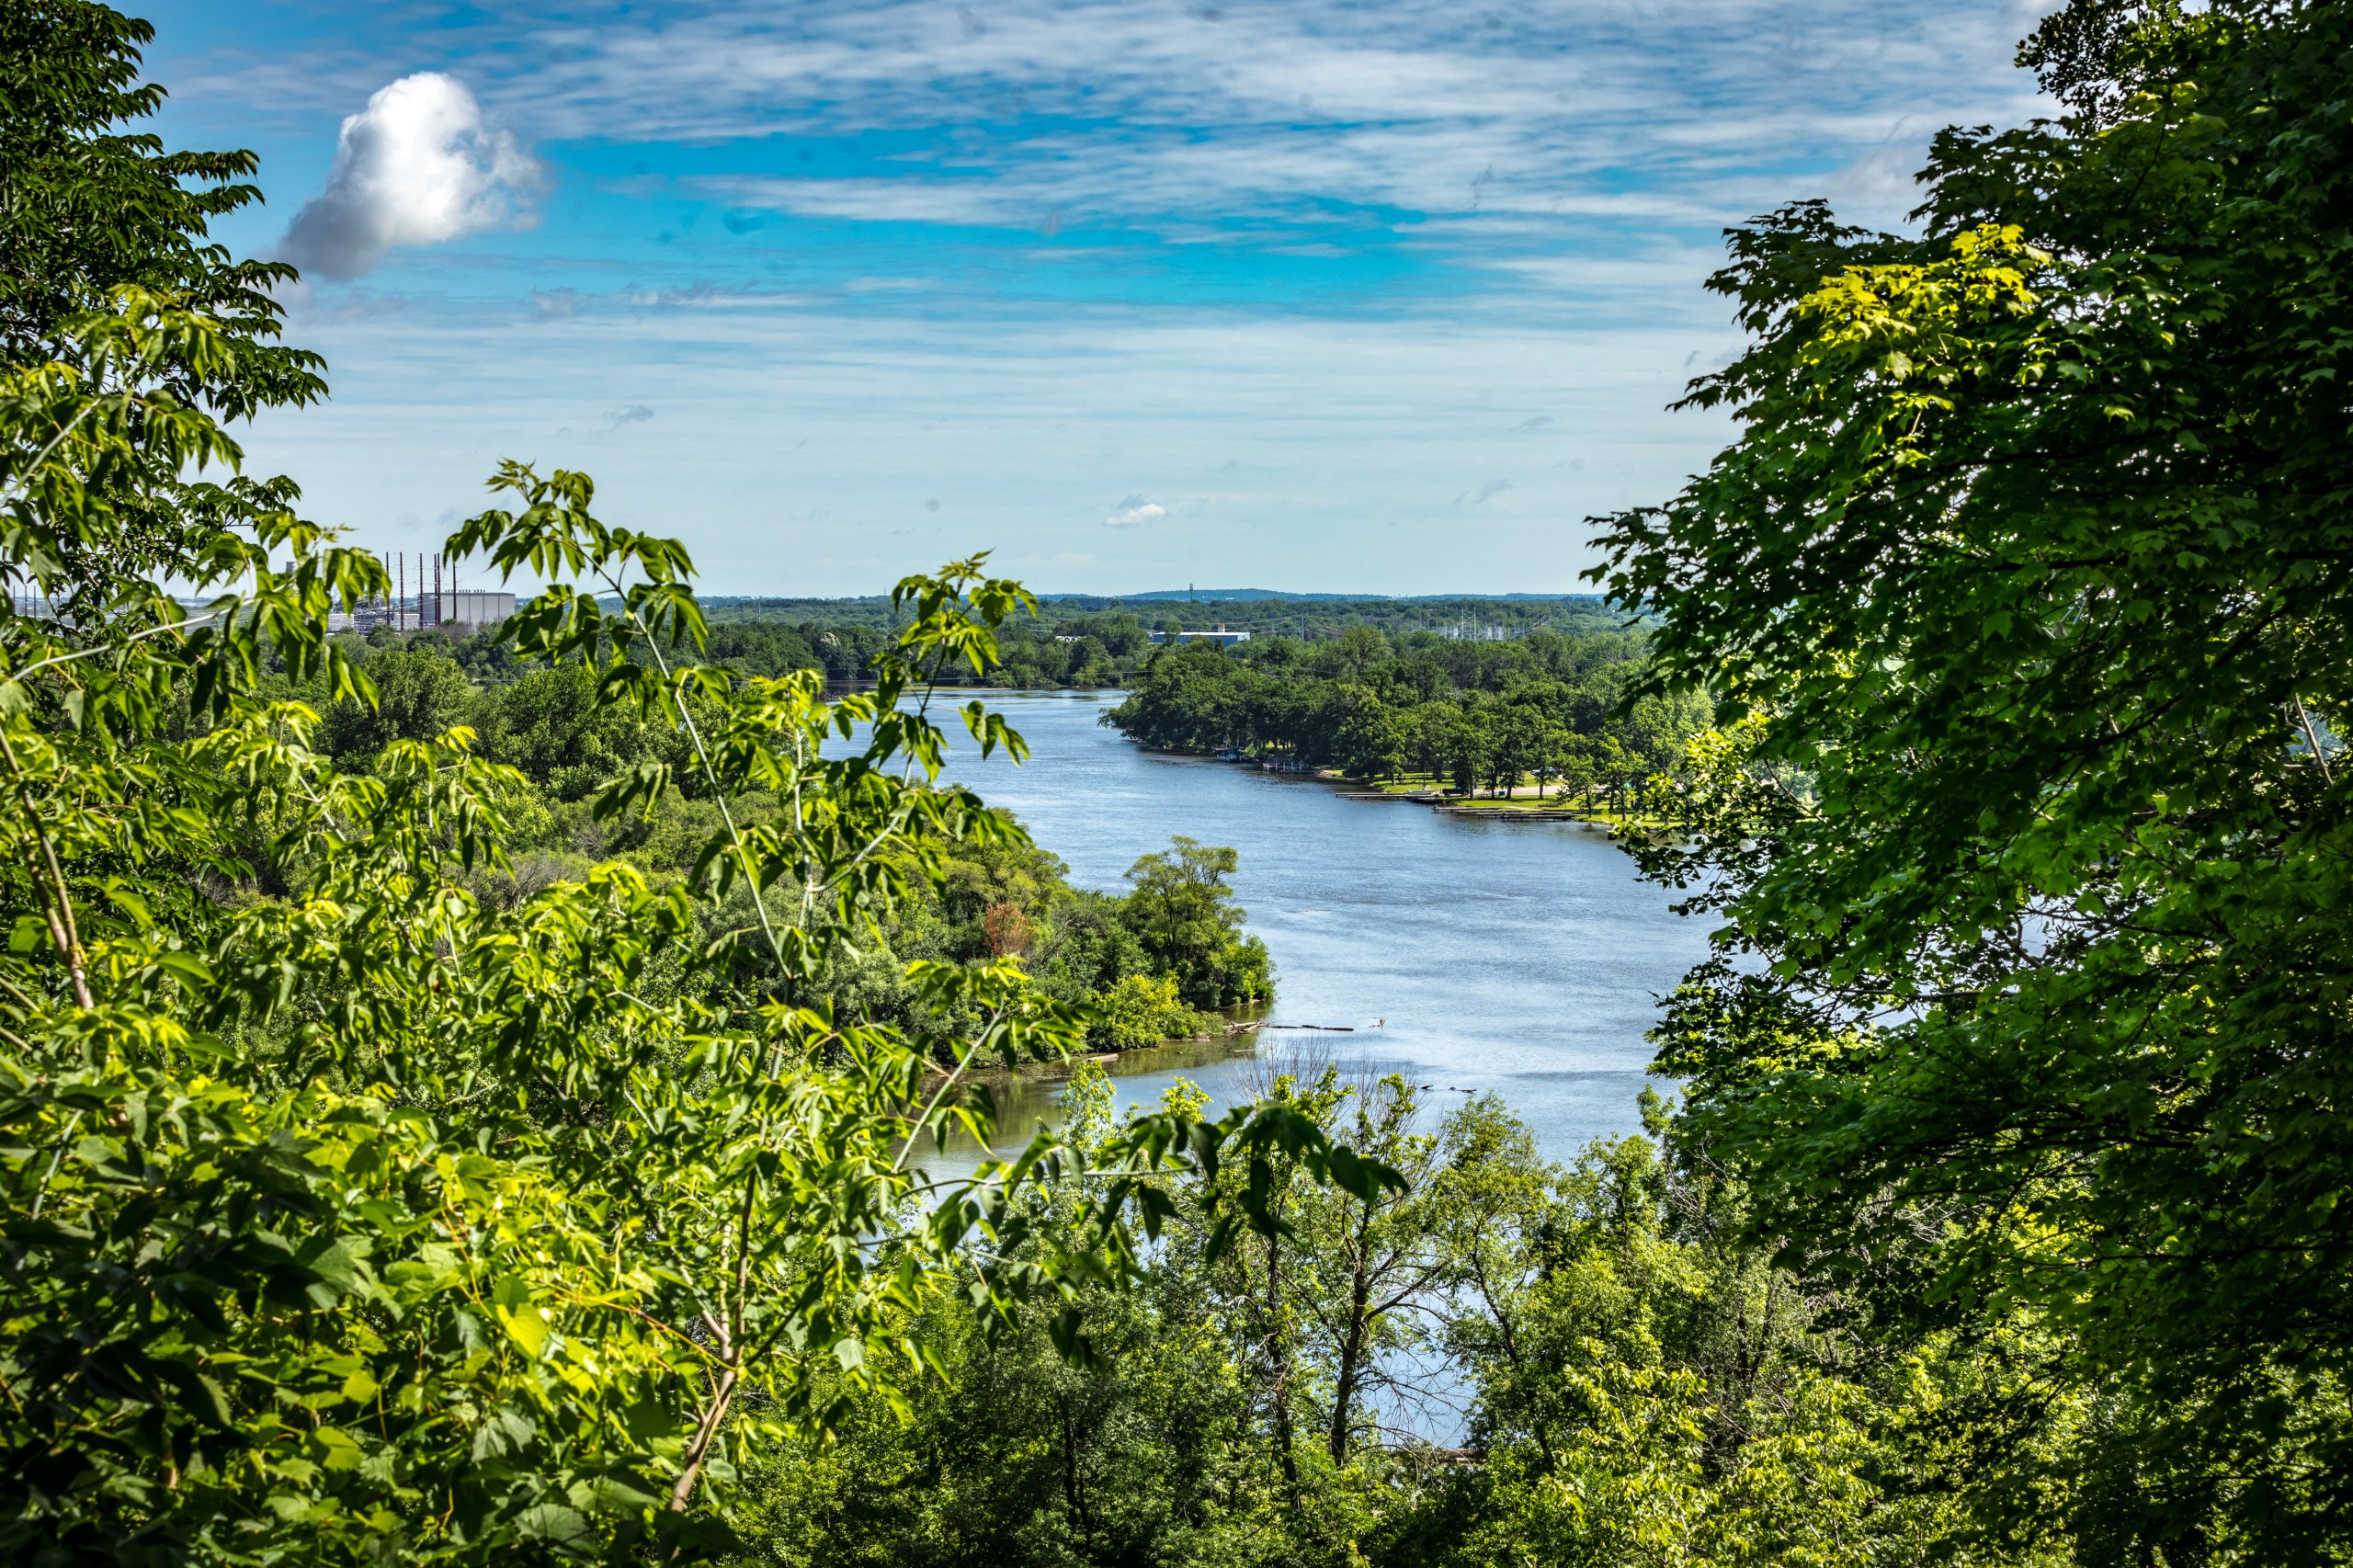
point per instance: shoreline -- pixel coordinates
(1436, 799)
(1238, 1036)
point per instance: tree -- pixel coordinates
(1157, 1453)
(89, 210)
(1580, 766)
(1551, 747)
(1652, 1391)
(1138, 1010)
(419, 695)
(1184, 914)
(1119, 632)
(1187, 700)
(1519, 745)
(2030, 570)
(1467, 745)
(550, 726)
(1371, 741)
(1377, 1279)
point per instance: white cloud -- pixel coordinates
(1134, 511)
(418, 165)
(1073, 113)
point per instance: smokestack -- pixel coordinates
(400, 607)
(437, 590)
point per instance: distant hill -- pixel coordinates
(1218, 596)
(1249, 596)
(1173, 595)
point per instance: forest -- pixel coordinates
(1309, 617)
(1154, 963)
(1568, 711)
(459, 1102)
(1043, 648)
(1081, 642)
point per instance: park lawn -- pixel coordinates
(1633, 821)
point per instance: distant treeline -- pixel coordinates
(1088, 641)
(1075, 650)
(1476, 715)
(1321, 620)
(844, 652)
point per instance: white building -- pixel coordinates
(467, 607)
(1221, 637)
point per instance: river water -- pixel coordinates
(1467, 954)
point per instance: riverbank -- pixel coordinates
(1474, 952)
(1522, 803)
(1238, 1036)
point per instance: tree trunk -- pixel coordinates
(1354, 1337)
(1351, 1370)
(1277, 1354)
(1072, 1492)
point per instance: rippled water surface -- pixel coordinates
(1467, 954)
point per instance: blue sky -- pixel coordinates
(1351, 297)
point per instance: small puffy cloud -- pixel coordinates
(1134, 511)
(418, 165)
(629, 414)
(1486, 492)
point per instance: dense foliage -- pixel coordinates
(89, 207)
(1309, 617)
(359, 1211)
(1563, 709)
(2031, 572)
(1149, 964)
(844, 654)
(1629, 1381)
(1098, 642)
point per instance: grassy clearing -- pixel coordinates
(1617, 821)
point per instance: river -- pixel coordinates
(1468, 955)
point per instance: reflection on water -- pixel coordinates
(1467, 954)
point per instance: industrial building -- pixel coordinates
(433, 601)
(470, 607)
